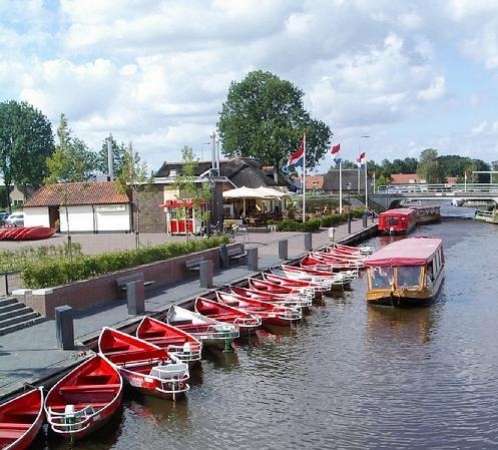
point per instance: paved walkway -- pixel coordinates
(32, 354)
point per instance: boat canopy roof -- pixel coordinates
(406, 252)
(398, 212)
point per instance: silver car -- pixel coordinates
(16, 219)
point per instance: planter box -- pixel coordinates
(104, 289)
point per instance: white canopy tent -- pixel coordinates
(262, 193)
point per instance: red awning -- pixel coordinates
(180, 203)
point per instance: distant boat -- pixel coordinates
(397, 221)
(85, 399)
(26, 233)
(426, 214)
(21, 420)
(407, 272)
(484, 215)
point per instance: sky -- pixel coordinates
(411, 74)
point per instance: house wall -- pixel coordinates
(95, 218)
(152, 218)
(36, 216)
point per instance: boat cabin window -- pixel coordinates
(409, 275)
(382, 277)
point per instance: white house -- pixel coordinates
(87, 207)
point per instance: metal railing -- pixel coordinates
(420, 188)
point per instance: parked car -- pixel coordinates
(16, 219)
(3, 217)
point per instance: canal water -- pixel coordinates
(350, 376)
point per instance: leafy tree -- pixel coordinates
(72, 161)
(264, 118)
(429, 167)
(118, 156)
(135, 181)
(25, 142)
(199, 193)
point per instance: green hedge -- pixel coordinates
(315, 224)
(55, 272)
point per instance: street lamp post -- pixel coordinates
(348, 186)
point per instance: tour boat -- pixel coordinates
(294, 301)
(145, 366)
(212, 333)
(397, 221)
(85, 399)
(246, 322)
(21, 419)
(184, 346)
(407, 272)
(426, 214)
(270, 313)
(26, 233)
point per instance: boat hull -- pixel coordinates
(21, 420)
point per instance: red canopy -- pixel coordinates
(180, 203)
(406, 252)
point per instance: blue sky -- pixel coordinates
(410, 74)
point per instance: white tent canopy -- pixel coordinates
(262, 193)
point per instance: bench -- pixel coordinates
(138, 276)
(193, 264)
(236, 253)
(90, 387)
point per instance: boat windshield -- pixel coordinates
(382, 277)
(409, 275)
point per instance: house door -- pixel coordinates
(53, 217)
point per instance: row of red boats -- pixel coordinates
(157, 359)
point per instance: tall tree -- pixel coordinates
(264, 118)
(118, 156)
(25, 142)
(72, 161)
(429, 167)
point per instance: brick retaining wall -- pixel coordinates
(100, 290)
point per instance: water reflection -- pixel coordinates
(399, 324)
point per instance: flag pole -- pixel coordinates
(340, 186)
(304, 177)
(366, 183)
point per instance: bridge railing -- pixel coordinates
(434, 188)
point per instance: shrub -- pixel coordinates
(54, 272)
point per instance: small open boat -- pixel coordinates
(293, 301)
(85, 399)
(26, 233)
(270, 313)
(362, 250)
(263, 285)
(280, 278)
(211, 332)
(145, 366)
(21, 419)
(246, 322)
(184, 346)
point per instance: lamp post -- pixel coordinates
(348, 186)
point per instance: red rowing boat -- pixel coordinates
(145, 366)
(279, 299)
(85, 399)
(246, 322)
(20, 420)
(275, 288)
(26, 233)
(183, 345)
(211, 332)
(270, 313)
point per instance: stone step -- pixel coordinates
(7, 301)
(21, 325)
(11, 307)
(20, 311)
(26, 316)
